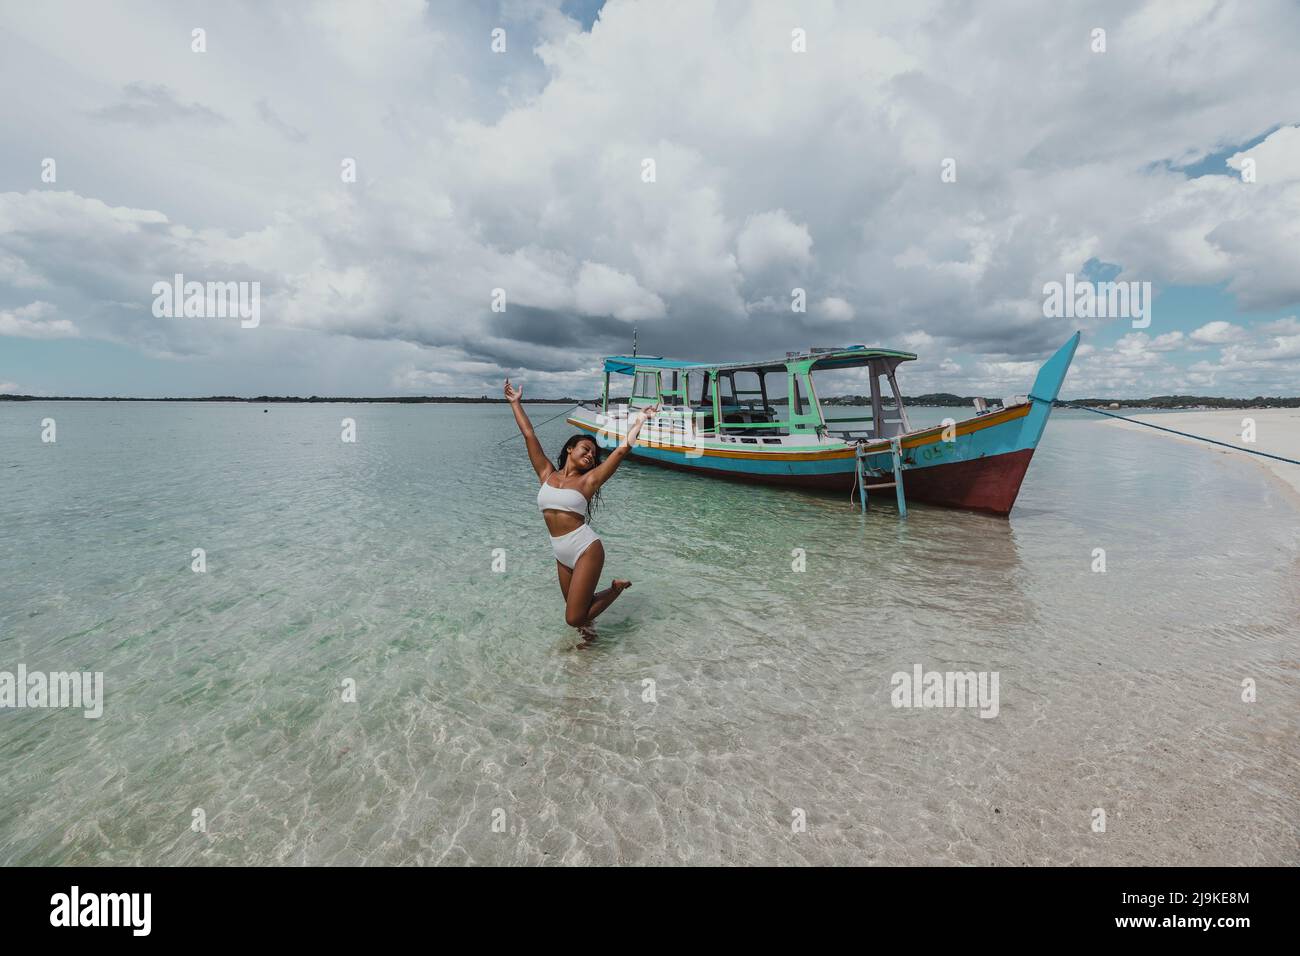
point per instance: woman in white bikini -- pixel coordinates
(568, 491)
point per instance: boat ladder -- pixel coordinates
(865, 471)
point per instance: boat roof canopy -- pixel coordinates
(850, 356)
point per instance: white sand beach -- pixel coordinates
(1277, 431)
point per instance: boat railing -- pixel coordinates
(777, 427)
(842, 427)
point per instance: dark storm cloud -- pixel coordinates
(559, 329)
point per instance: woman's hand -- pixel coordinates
(513, 395)
(633, 429)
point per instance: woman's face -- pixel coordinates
(583, 455)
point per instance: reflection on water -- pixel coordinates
(726, 693)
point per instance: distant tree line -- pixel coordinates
(948, 399)
(294, 399)
(944, 399)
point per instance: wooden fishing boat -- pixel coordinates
(762, 421)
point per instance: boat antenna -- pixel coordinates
(634, 341)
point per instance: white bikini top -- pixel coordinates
(551, 498)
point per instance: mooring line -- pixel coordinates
(1172, 431)
(540, 424)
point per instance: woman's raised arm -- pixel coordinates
(541, 464)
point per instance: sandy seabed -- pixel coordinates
(1277, 432)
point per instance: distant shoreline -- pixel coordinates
(941, 400)
(295, 400)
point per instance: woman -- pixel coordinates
(565, 500)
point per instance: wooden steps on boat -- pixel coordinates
(896, 456)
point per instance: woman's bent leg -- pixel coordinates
(582, 585)
(582, 602)
(605, 598)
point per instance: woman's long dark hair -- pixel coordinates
(564, 457)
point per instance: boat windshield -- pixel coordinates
(755, 402)
(861, 402)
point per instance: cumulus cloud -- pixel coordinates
(1167, 342)
(1277, 158)
(601, 290)
(1282, 348)
(35, 321)
(833, 309)
(525, 171)
(1217, 333)
(771, 239)
(1134, 342)
(1288, 326)
(917, 341)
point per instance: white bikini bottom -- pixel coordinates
(569, 547)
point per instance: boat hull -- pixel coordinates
(988, 484)
(977, 464)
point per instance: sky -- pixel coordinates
(922, 171)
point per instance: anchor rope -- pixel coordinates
(519, 434)
(1172, 431)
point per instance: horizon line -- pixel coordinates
(472, 400)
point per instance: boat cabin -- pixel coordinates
(770, 402)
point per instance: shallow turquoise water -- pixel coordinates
(372, 562)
